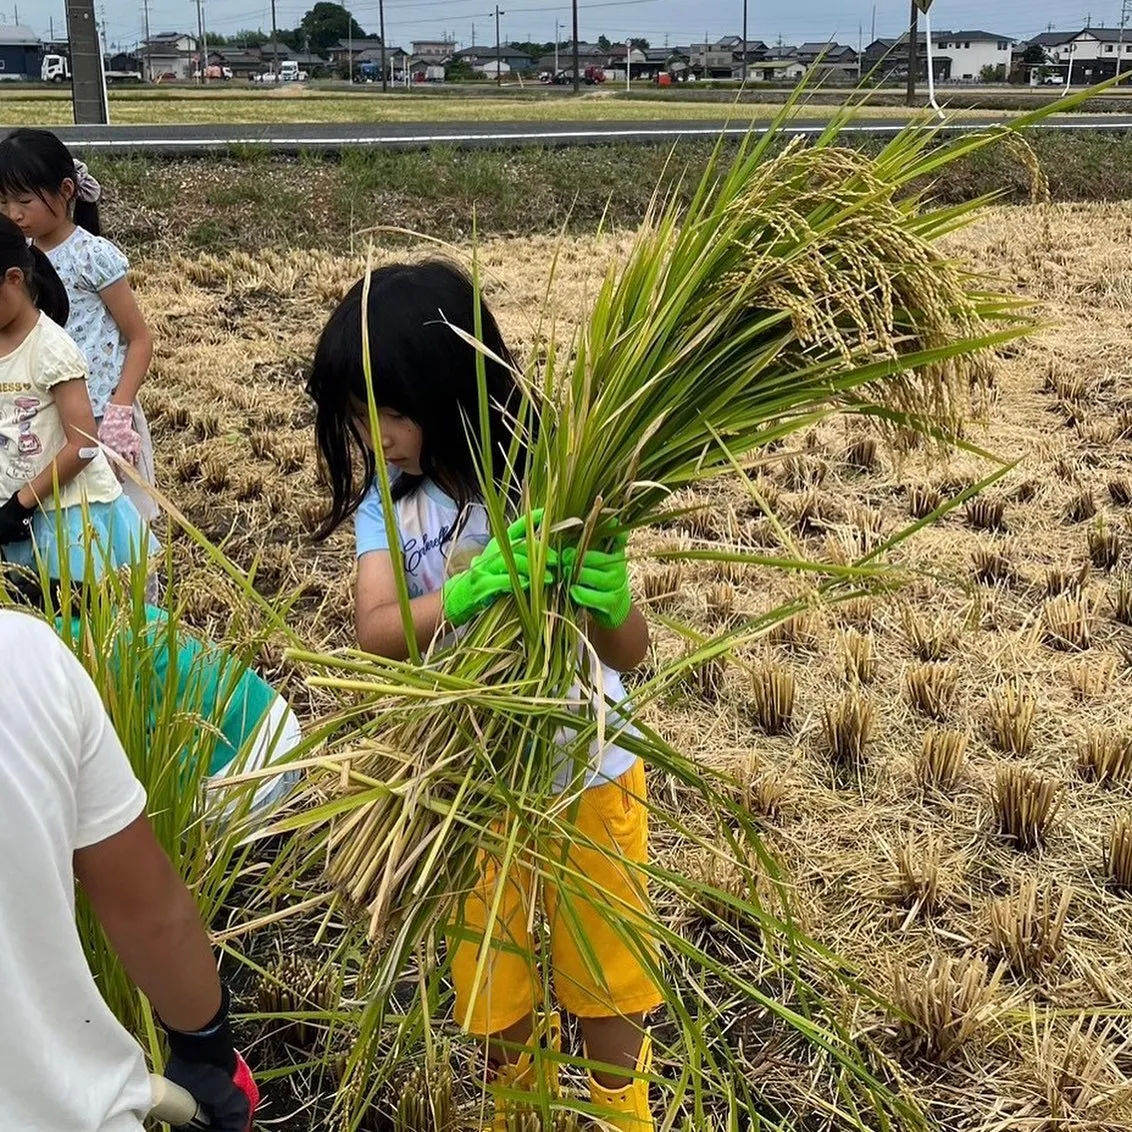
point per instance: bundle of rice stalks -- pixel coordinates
(923, 500)
(1105, 547)
(946, 1009)
(1082, 507)
(1118, 855)
(1011, 720)
(993, 565)
(1081, 1075)
(917, 863)
(1122, 600)
(862, 454)
(942, 759)
(772, 697)
(1059, 580)
(1025, 804)
(1027, 928)
(1068, 623)
(662, 587)
(986, 513)
(930, 640)
(296, 986)
(1120, 491)
(847, 729)
(858, 661)
(795, 283)
(1105, 756)
(1092, 678)
(932, 688)
(801, 632)
(428, 1101)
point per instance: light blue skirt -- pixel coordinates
(112, 534)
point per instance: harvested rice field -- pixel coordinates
(943, 772)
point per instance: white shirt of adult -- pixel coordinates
(66, 1065)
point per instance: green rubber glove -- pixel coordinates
(488, 578)
(600, 585)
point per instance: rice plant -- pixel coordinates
(932, 688)
(1081, 508)
(1122, 599)
(987, 514)
(721, 604)
(931, 639)
(1010, 719)
(772, 697)
(1025, 804)
(1118, 854)
(1091, 678)
(1059, 580)
(858, 659)
(1027, 928)
(1105, 547)
(1120, 491)
(946, 1008)
(847, 729)
(1083, 1084)
(993, 565)
(923, 500)
(800, 632)
(1068, 623)
(1104, 756)
(917, 865)
(428, 1101)
(942, 759)
(862, 454)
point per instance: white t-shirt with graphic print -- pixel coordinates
(438, 541)
(87, 265)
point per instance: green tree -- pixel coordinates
(640, 43)
(603, 42)
(325, 24)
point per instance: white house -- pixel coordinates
(972, 51)
(1099, 44)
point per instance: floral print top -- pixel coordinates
(87, 265)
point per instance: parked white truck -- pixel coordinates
(57, 69)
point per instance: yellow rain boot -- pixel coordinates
(626, 1109)
(522, 1075)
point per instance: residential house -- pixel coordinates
(713, 60)
(242, 63)
(1095, 52)
(887, 59)
(1053, 43)
(974, 54)
(488, 60)
(21, 53)
(431, 52)
(638, 62)
(170, 54)
(340, 54)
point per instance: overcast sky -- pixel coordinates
(681, 21)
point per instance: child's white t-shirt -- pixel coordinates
(65, 783)
(31, 430)
(87, 265)
(438, 541)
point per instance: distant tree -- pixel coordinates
(324, 25)
(248, 38)
(1035, 55)
(640, 44)
(604, 43)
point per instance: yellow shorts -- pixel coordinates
(602, 948)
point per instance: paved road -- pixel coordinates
(206, 139)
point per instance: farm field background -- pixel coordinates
(1013, 632)
(299, 104)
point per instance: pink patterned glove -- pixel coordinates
(117, 432)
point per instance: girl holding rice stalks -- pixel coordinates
(54, 200)
(63, 510)
(419, 321)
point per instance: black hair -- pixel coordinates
(422, 369)
(44, 285)
(37, 162)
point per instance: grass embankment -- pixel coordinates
(253, 201)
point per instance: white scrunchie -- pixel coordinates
(86, 187)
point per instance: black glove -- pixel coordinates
(15, 521)
(207, 1065)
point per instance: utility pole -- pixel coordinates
(913, 54)
(873, 32)
(88, 88)
(744, 42)
(202, 44)
(350, 47)
(577, 77)
(557, 25)
(498, 48)
(274, 41)
(384, 76)
(1125, 8)
(148, 61)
